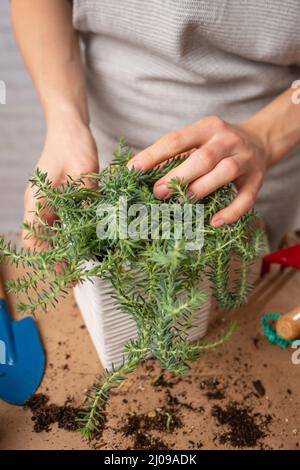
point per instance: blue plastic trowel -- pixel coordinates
(22, 358)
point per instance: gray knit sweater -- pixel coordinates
(156, 65)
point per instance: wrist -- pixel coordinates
(65, 116)
(260, 136)
(65, 109)
(277, 126)
(66, 128)
(68, 144)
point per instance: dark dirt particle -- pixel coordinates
(160, 381)
(256, 341)
(195, 445)
(260, 389)
(215, 395)
(149, 366)
(175, 403)
(214, 390)
(37, 402)
(143, 441)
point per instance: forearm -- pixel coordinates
(278, 126)
(50, 48)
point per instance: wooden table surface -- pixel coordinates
(247, 359)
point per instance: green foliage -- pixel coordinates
(155, 281)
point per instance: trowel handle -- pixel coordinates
(6, 333)
(288, 326)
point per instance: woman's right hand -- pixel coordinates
(69, 149)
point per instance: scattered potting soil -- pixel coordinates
(195, 445)
(138, 427)
(256, 341)
(215, 395)
(164, 419)
(160, 381)
(44, 414)
(245, 428)
(259, 388)
(214, 390)
(173, 401)
(143, 441)
(239, 425)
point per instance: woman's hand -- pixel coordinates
(69, 150)
(217, 153)
(52, 54)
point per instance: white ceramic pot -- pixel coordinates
(110, 329)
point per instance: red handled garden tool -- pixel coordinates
(285, 257)
(287, 327)
(22, 358)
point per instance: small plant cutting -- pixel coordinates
(154, 279)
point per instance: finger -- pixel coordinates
(177, 142)
(226, 171)
(183, 156)
(30, 217)
(242, 203)
(200, 162)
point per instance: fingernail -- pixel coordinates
(135, 165)
(217, 222)
(161, 191)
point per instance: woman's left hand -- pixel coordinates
(218, 153)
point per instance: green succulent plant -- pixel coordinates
(155, 281)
